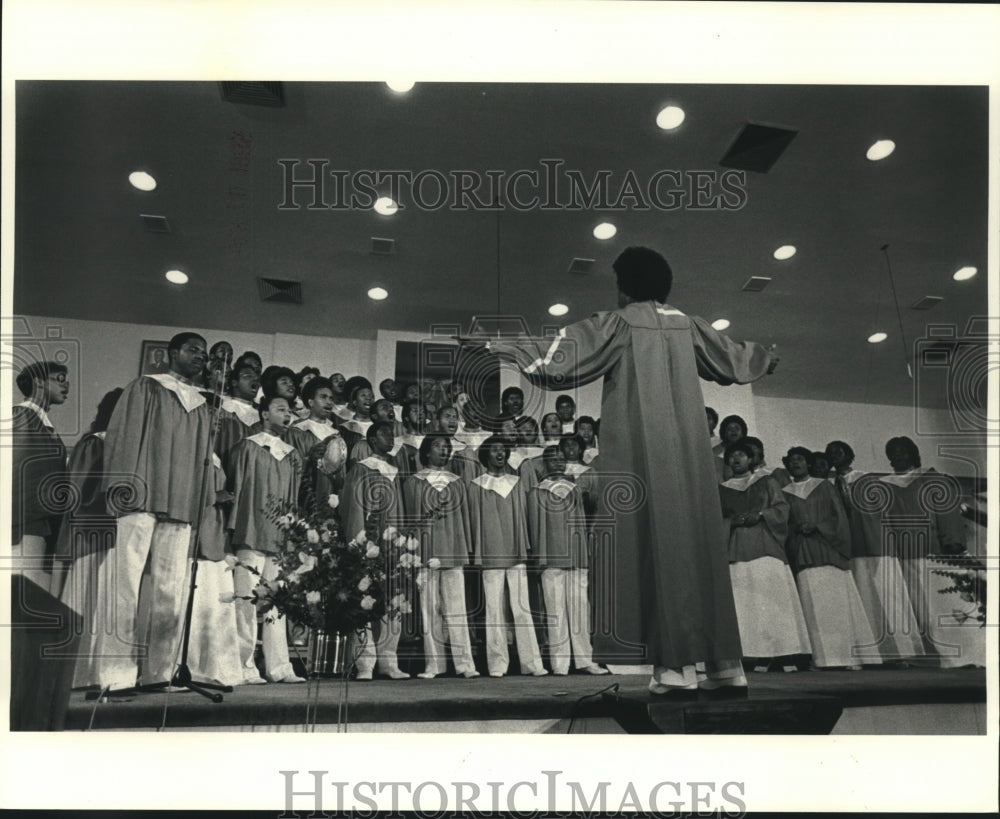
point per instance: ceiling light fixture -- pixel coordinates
(400, 86)
(558, 310)
(877, 338)
(881, 149)
(385, 206)
(670, 117)
(721, 324)
(785, 252)
(142, 181)
(378, 294)
(176, 276)
(605, 230)
(964, 274)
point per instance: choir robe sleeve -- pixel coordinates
(771, 502)
(85, 474)
(38, 457)
(830, 518)
(724, 361)
(442, 521)
(370, 502)
(212, 531)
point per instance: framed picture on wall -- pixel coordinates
(154, 358)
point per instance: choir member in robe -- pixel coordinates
(341, 409)
(38, 462)
(923, 519)
(758, 464)
(436, 497)
(239, 417)
(876, 570)
(732, 429)
(355, 429)
(254, 360)
(819, 467)
(571, 447)
(672, 603)
(566, 410)
(713, 421)
(408, 456)
(154, 454)
(512, 404)
(819, 547)
(500, 546)
(87, 537)
(389, 390)
(310, 437)
(464, 460)
(557, 530)
(586, 428)
(266, 470)
(471, 432)
(380, 410)
(371, 502)
(768, 609)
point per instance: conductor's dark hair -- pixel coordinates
(709, 411)
(903, 441)
(848, 451)
(104, 410)
(269, 379)
(731, 419)
(483, 453)
(375, 427)
(643, 274)
(798, 450)
(313, 386)
(425, 445)
(739, 446)
(178, 341)
(39, 369)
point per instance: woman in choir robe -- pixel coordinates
(471, 432)
(436, 497)
(586, 428)
(770, 615)
(464, 460)
(820, 551)
(732, 429)
(671, 603)
(876, 570)
(341, 409)
(571, 447)
(371, 502)
(408, 455)
(86, 538)
(819, 467)
(356, 429)
(512, 404)
(532, 466)
(265, 469)
(380, 410)
(758, 464)
(924, 520)
(500, 546)
(557, 530)
(310, 437)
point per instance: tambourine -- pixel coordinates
(334, 456)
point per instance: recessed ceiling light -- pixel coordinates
(400, 86)
(721, 324)
(378, 293)
(784, 252)
(876, 338)
(605, 230)
(964, 273)
(142, 180)
(385, 206)
(881, 149)
(558, 310)
(670, 117)
(177, 276)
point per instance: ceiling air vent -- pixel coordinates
(926, 303)
(269, 94)
(581, 266)
(383, 247)
(756, 283)
(280, 290)
(757, 147)
(155, 224)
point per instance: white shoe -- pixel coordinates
(496, 673)
(541, 672)
(364, 676)
(426, 675)
(289, 678)
(660, 689)
(470, 674)
(254, 681)
(595, 669)
(559, 673)
(714, 684)
(397, 674)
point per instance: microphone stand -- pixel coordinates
(182, 674)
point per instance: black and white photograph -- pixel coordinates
(488, 416)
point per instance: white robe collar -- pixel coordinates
(503, 485)
(744, 483)
(473, 438)
(244, 410)
(413, 440)
(802, 489)
(576, 470)
(590, 454)
(906, 478)
(360, 427)
(320, 429)
(376, 464)
(849, 477)
(523, 453)
(438, 478)
(187, 394)
(560, 487)
(43, 416)
(278, 448)
(343, 411)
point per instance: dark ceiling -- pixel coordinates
(83, 252)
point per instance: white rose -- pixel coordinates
(401, 541)
(286, 520)
(433, 563)
(398, 600)
(360, 537)
(390, 532)
(405, 607)
(312, 536)
(313, 597)
(412, 544)
(367, 602)
(373, 551)
(227, 597)
(405, 561)
(364, 583)
(333, 501)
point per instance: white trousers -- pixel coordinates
(687, 676)
(384, 651)
(29, 560)
(274, 634)
(214, 647)
(119, 645)
(86, 590)
(497, 657)
(442, 610)
(568, 612)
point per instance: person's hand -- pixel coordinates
(775, 358)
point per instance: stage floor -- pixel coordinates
(517, 704)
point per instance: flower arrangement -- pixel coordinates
(969, 581)
(326, 581)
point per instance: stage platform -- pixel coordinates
(890, 701)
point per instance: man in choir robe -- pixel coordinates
(310, 436)
(566, 410)
(239, 412)
(155, 453)
(512, 404)
(672, 602)
(38, 459)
